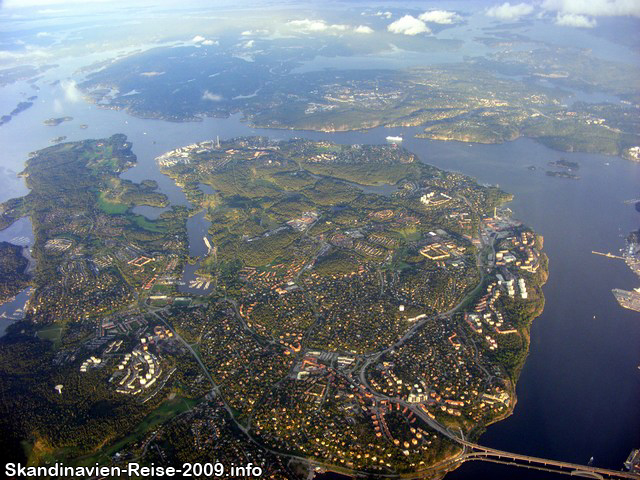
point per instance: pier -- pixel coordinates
(608, 255)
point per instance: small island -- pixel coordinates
(21, 107)
(571, 176)
(563, 163)
(53, 122)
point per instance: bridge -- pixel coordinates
(485, 454)
(474, 452)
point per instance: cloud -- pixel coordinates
(204, 41)
(442, 17)
(43, 34)
(408, 25)
(315, 26)
(260, 32)
(71, 91)
(248, 44)
(214, 97)
(594, 8)
(575, 20)
(320, 26)
(383, 14)
(151, 74)
(506, 11)
(363, 29)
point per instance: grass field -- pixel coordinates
(52, 333)
(145, 224)
(110, 207)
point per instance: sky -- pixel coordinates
(564, 13)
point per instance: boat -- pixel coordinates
(392, 139)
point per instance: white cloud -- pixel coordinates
(71, 91)
(248, 44)
(151, 74)
(314, 26)
(260, 32)
(594, 8)
(442, 17)
(43, 34)
(214, 97)
(363, 29)
(506, 11)
(408, 25)
(203, 41)
(575, 20)
(383, 14)
(320, 26)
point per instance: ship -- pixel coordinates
(628, 299)
(208, 245)
(392, 139)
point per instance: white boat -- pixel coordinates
(393, 139)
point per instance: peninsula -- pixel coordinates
(363, 304)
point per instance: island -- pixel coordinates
(566, 164)
(22, 72)
(562, 174)
(363, 306)
(21, 107)
(54, 122)
(514, 95)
